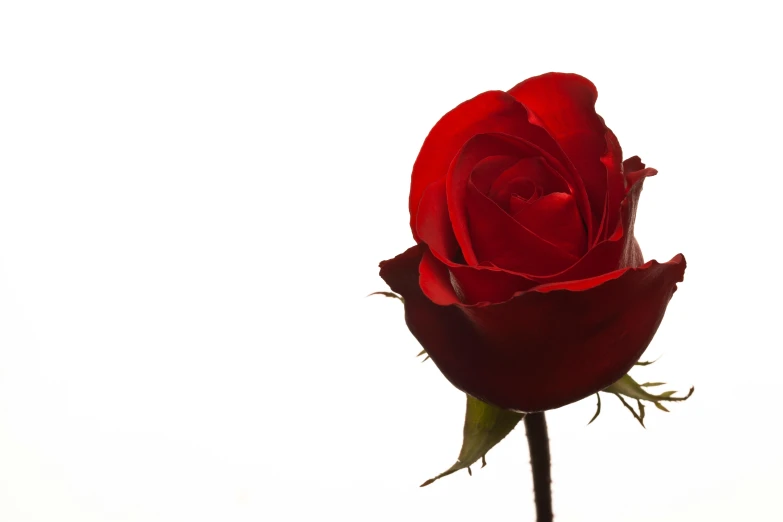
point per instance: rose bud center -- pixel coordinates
(536, 196)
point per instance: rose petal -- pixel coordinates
(489, 225)
(632, 253)
(502, 241)
(449, 284)
(432, 221)
(633, 164)
(489, 284)
(564, 105)
(544, 348)
(533, 170)
(634, 177)
(615, 185)
(489, 169)
(493, 111)
(435, 280)
(556, 219)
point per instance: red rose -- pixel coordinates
(526, 286)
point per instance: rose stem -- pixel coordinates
(538, 442)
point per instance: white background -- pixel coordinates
(194, 198)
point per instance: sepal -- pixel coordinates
(629, 388)
(485, 426)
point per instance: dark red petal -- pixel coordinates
(632, 254)
(634, 177)
(554, 218)
(542, 349)
(632, 164)
(615, 185)
(401, 273)
(493, 111)
(564, 105)
(435, 280)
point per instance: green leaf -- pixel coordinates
(485, 426)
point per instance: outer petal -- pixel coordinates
(544, 348)
(470, 285)
(564, 105)
(492, 111)
(632, 253)
(615, 185)
(633, 164)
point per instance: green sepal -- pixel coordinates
(402, 300)
(630, 388)
(485, 426)
(627, 387)
(388, 294)
(645, 363)
(597, 409)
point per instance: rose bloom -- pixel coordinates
(526, 286)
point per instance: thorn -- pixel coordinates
(483, 460)
(470, 472)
